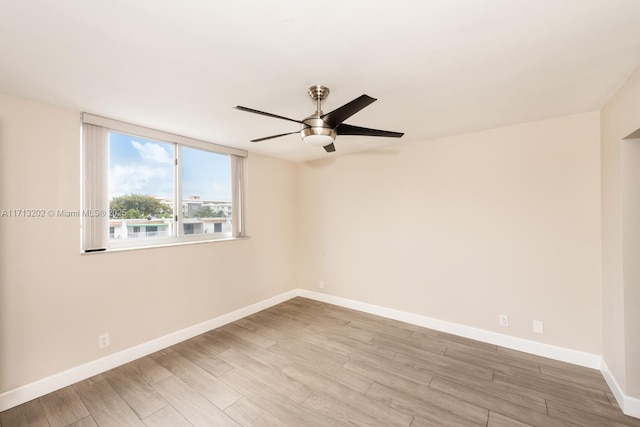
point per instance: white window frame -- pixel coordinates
(95, 191)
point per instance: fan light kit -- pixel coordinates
(321, 129)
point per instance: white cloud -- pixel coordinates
(152, 152)
(140, 179)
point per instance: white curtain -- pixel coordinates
(95, 198)
(237, 187)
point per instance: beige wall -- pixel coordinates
(620, 221)
(465, 228)
(55, 302)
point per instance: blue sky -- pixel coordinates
(144, 166)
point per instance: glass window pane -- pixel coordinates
(141, 188)
(206, 192)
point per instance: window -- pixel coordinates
(154, 188)
(188, 228)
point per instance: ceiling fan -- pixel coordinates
(321, 129)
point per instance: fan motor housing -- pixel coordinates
(314, 125)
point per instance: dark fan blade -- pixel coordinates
(340, 114)
(330, 148)
(345, 129)
(273, 136)
(251, 110)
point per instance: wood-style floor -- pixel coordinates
(306, 363)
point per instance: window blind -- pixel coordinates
(95, 198)
(237, 196)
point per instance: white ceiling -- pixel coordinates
(437, 67)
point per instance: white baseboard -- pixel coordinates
(629, 405)
(63, 379)
(540, 349)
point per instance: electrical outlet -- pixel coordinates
(503, 320)
(103, 340)
(538, 327)
(321, 284)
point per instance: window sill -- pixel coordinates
(165, 245)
